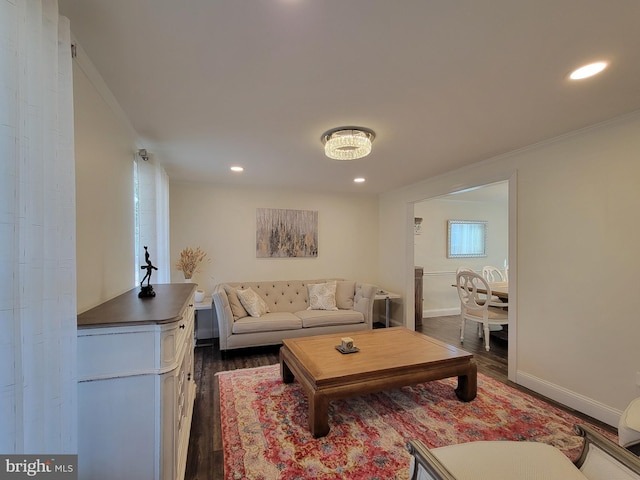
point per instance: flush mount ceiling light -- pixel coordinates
(587, 71)
(347, 143)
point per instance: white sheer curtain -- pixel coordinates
(38, 388)
(152, 218)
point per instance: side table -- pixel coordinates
(387, 297)
(204, 326)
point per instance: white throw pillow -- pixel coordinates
(252, 302)
(322, 296)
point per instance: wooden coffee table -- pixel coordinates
(388, 358)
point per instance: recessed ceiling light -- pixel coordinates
(237, 168)
(587, 71)
(358, 180)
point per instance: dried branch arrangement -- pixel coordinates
(189, 260)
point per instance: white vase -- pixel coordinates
(199, 296)
(188, 280)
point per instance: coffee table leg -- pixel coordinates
(285, 371)
(468, 383)
(318, 415)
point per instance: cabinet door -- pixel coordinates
(186, 396)
(178, 389)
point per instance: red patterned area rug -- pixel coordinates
(266, 436)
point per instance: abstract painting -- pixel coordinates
(286, 233)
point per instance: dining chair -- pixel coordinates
(475, 307)
(493, 274)
(464, 268)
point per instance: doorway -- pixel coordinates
(488, 203)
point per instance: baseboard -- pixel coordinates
(588, 406)
(441, 312)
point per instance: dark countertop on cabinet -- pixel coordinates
(127, 309)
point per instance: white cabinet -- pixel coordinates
(135, 385)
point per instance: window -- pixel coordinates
(136, 216)
(151, 201)
(467, 239)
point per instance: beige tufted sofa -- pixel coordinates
(288, 314)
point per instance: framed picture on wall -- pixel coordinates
(466, 239)
(286, 233)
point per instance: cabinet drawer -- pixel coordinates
(175, 338)
(116, 352)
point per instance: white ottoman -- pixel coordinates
(629, 426)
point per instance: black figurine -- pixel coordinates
(148, 290)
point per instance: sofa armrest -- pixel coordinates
(603, 459)
(363, 301)
(222, 314)
(425, 465)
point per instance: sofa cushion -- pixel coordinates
(269, 322)
(319, 318)
(322, 296)
(252, 302)
(237, 309)
(345, 290)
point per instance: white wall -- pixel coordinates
(104, 148)
(430, 247)
(572, 267)
(222, 221)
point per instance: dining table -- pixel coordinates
(498, 289)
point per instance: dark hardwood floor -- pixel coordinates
(204, 461)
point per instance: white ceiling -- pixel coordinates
(443, 83)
